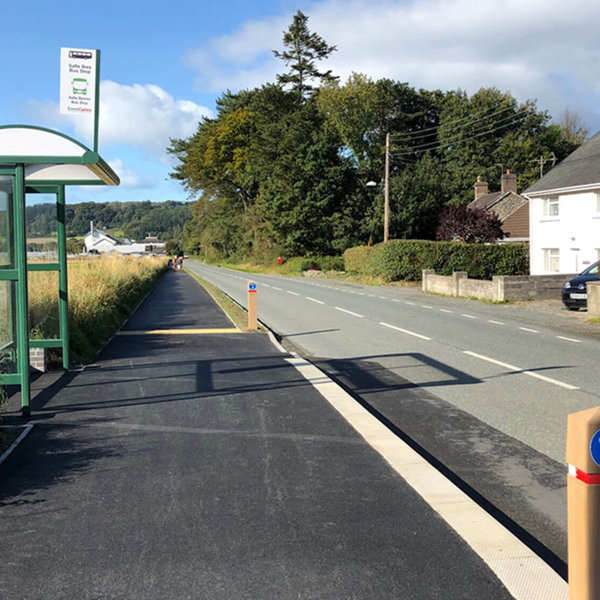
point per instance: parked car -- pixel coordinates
(574, 292)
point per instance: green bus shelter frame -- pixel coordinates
(39, 161)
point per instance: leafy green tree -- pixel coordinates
(74, 245)
(303, 50)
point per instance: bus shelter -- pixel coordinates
(35, 160)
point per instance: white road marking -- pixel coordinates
(266, 285)
(524, 574)
(567, 339)
(292, 293)
(314, 300)
(278, 289)
(529, 330)
(411, 303)
(426, 306)
(348, 312)
(495, 322)
(468, 316)
(445, 310)
(417, 335)
(520, 370)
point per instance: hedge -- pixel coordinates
(404, 260)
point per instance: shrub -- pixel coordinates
(404, 260)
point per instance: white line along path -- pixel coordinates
(417, 335)
(567, 386)
(524, 574)
(349, 312)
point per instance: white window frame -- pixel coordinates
(598, 203)
(551, 207)
(552, 260)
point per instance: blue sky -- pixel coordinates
(164, 64)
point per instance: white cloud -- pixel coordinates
(130, 178)
(540, 49)
(141, 115)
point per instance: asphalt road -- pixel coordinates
(483, 388)
(204, 466)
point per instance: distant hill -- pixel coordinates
(136, 219)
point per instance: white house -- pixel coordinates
(564, 213)
(98, 241)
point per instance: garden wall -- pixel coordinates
(500, 289)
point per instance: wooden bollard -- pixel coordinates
(252, 306)
(583, 501)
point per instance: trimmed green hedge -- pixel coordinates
(404, 260)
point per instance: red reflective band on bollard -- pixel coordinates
(589, 478)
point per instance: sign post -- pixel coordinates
(80, 84)
(583, 500)
(252, 306)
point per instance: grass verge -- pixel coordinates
(233, 310)
(103, 291)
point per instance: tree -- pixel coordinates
(572, 127)
(470, 225)
(74, 245)
(303, 49)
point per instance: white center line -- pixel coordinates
(292, 293)
(567, 339)
(349, 312)
(468, 316)
(426, 306)
(411, 303)
(314, 300)
(417, 335)
(529, 330)
(278, 289)
(520, 370)
(382, 297)
(445, 310)
(495, 322)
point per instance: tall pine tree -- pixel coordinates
(303, 50)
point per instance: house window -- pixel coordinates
(551, 260)
(550, 207)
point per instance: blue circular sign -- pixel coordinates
(252, 286)
(595, 447)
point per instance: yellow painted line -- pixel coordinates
(179, 331)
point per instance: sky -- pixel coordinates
(164, 65)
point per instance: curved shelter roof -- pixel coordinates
(51, 157)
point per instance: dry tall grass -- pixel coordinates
(102, 293)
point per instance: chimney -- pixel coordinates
(508, 182)
(481, 188)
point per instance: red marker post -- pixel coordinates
(583, 500)
(252, 306)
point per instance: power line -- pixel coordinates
(457, 140)
(515, 119)
(450, 125)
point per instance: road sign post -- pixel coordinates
(583, 500)
(252, 306)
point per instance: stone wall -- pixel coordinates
(502, 288)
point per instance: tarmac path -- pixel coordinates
(205, 466)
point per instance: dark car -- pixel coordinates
(574, 292)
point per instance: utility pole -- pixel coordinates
(542, 161)
(386, 205)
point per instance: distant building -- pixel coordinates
(99, 242)
(509, 206)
